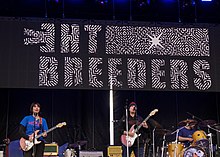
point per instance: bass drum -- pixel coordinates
(172, 147)
(194, 151)
(69, 153)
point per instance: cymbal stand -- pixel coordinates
(210, 140)
(154, 142)
(210, 144)
(176, 140)
(163, 145)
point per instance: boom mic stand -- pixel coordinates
(34, 148)
(138, 140)
(210, 140)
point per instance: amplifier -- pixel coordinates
(91, 154)
(114, 151)
(1, 154)
(51, 149)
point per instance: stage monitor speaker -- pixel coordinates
(1, 153)
(91, 154)
(51, 149)
(114, 151)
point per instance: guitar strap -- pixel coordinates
(40, 123)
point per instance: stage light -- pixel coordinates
(206, 0)
(102, 2)
(53, 1)
(143, 3)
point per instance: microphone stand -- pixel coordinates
(126, 114)
(162, 149)
(153, 142)
(138, 140)
(194, 117)
(34, 149)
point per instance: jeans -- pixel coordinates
(133, 148)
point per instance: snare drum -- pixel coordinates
(171, 149)
(69, 153)
(199, 139)
(194, 151)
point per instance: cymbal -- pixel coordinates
(162, 131)
(187, 121)
(77, 144)
(205, 123)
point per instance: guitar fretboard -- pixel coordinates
(51, 129)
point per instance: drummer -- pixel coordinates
(186, 131)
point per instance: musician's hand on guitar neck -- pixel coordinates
(144, 124)
(44, 134)
(131, 134)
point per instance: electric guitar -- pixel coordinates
(128, 140)
(27, 145)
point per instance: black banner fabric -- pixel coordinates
(81, 54)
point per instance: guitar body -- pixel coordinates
(128, 140)
(26, 145)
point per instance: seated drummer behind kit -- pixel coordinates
(186, 132)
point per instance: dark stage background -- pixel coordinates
(87, 111)
(71, 78)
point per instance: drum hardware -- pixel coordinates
(194, 151)
(200, 139)
(187, 122)
(69, 152)
(175, 149)
(205, 123)
(163, 132)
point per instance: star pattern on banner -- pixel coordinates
(155, 41)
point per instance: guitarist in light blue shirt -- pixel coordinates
(137, 142)
(30, 125)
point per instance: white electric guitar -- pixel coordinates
(27, 145)
(128, 140)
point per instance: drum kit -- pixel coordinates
(201, 146)
(73, 149)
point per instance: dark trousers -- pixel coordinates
(137, 152)
(38, 148)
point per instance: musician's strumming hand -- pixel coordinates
(144, 124)
(131, 134)
(31, 138)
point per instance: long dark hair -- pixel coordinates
(32, 105)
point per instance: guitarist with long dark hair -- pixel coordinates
(31, 126)
(137, 136)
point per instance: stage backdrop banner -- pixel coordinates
(81, 54)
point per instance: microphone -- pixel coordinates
(193, 117)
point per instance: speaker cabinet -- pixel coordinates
(114, 151)
(90, 154)
(51, 149)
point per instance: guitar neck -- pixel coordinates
(140, 125)
(51, 129)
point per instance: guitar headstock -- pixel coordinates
(61, 124)
(153, 112)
